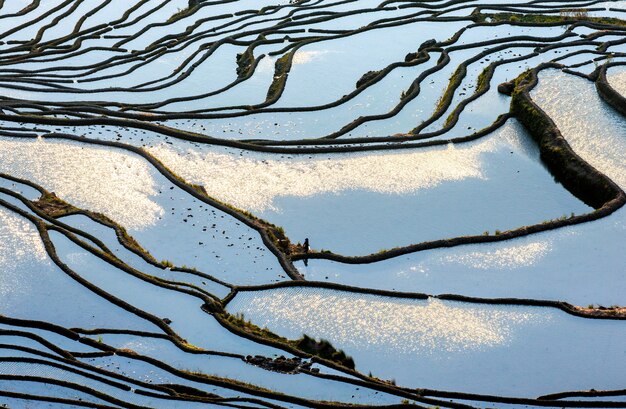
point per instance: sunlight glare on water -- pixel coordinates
(509, 257)
(303, 57)
(594, 131)
(19, 241)
(400, 326)
(617, 79)
(253, 182)
(99, 179)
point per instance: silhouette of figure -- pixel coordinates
(306, 251)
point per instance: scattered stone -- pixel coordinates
(506, 88)
(281, 364)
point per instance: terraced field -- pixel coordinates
(312, 204)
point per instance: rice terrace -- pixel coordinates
(312, 204)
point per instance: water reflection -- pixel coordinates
(395, 325)
(99, 179)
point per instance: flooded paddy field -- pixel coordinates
(312, 204)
